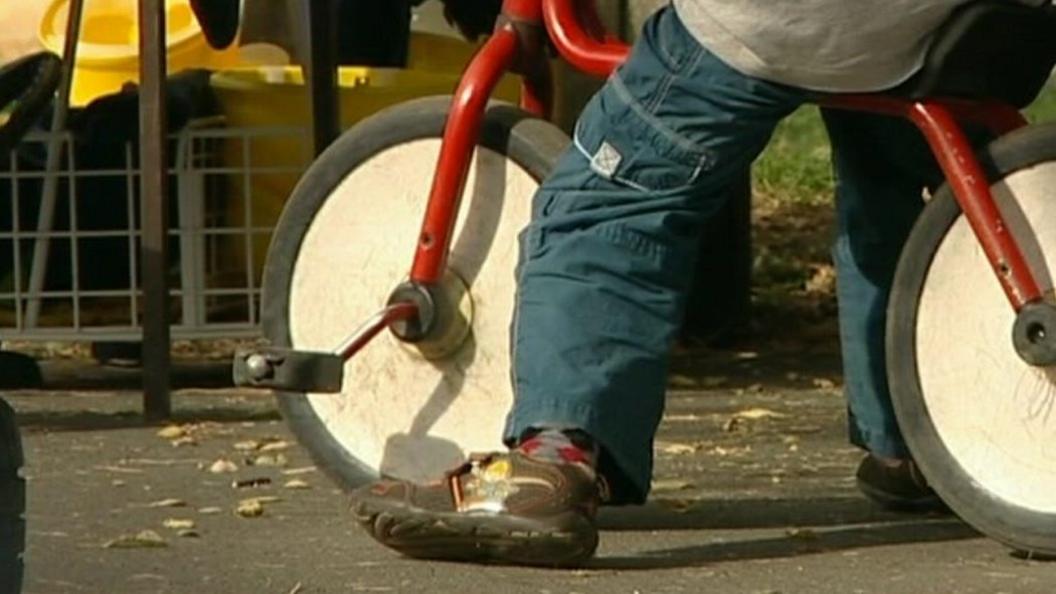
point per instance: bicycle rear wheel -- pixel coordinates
(977, 418)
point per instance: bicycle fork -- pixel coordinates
(1034, 331)
(415, 311)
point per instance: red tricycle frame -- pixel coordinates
(574, 29)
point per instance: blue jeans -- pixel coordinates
(608, 257)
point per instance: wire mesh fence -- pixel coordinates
(69, 254)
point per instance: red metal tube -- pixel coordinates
(999, 118)
(460, 139)
(378, 322)
(587, 53)
(972, 189)
(525, 11)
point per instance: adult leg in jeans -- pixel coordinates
(882, 166)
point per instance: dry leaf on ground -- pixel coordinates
(274, 446)
(247, 446)
(223, 465)
(178, 523)
(297, 484)
(186, 440)
(250, 508)
(145, 539)
(172, 502)
(672, 485)
(677, 449)
(172, 432)
(268, 460)
(823, 383)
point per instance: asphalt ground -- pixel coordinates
(753, 493)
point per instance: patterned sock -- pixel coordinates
(570, 446)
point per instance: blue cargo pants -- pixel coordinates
(608, 257)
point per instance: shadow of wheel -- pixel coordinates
(12, 503)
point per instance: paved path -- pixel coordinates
(753, 494)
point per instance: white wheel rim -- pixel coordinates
(397, 412)
(993, 412)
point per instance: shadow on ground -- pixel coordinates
(796, 543)
(72, 418)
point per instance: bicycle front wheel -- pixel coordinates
(978, 419)
(346, 239)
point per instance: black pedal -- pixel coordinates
(288, 370)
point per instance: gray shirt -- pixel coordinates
(823, 45)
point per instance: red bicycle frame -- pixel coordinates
(574, 28)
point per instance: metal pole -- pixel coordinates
(51, 177)
(154, 261)
(321, 72)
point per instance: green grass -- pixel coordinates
(795, 167)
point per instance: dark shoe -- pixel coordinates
(506, 508)
(897, 486)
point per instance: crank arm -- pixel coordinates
(291, 370)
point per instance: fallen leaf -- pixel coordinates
(250, 508)
(188, 533)
(759, 413)
(186, 440)
(300, 470)
(823, 383)
(688, 418)
(297, 484)
(675, 449)
(268, 460)
(168, 503)
(823, 281)
(274, 446)
(145, 539)
(172, 432)
(205, 511)
(222, 465)
(178, 523)
(247, 446)
(672, 485)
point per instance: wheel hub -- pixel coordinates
(444, 320)
(1034, 333)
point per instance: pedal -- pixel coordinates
(289, 370)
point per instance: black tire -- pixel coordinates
(533, 143)
(1028, 530)
(12, 503)
(30, 84)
